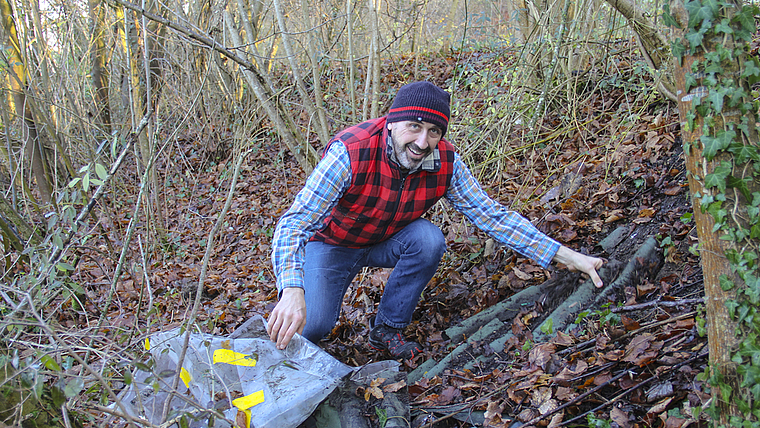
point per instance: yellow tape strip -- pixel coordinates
(147, 344)
(228, 356)
(247, 418)
(250, 400)
(186, 377)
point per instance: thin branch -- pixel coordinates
(659, 302)
(622, 394)
(203, 274)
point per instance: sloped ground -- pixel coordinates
(632, 355)
(620, 165)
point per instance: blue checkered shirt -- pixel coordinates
(331, 178)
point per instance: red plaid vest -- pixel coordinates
(381, 200)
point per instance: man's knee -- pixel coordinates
(429, 240)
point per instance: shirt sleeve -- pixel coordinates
(506, 226)
(326, 184)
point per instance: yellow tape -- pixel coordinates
(247, 418)
(147, 344)
(250, 400)
(186, 377)
(228, 356)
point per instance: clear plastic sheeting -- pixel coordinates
(241, 380)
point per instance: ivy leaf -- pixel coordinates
(718, 177)
(716, 98)
(699, 12)
(747, 19)
(741, 185)
(667, 18)
(724, 27)
(713, 144)
(695, 38)
(725, 283)
(743, 152)
(751, 68)
(678, 49)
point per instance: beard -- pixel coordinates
(402, 154)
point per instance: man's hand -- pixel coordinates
(576, 261)
(288, 317)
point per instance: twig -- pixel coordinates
(627, 391)
(659, 302)
(578, 398)
(54, 336)
(202, 277)
(583, 345)
(99, 192)
(118, 414)
(466, 406)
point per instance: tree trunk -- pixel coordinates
(301, 150)
(721, 327)
(33, 149)
(351, 64)
(97, 12)
(371, 84)
(311, 109)
(654, 46)
(15, 229)
(323, 129)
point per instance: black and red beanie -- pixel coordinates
(423, 102)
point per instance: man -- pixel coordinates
(362, 206)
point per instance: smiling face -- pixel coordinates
(413, 141)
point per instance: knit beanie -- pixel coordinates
(423, 102)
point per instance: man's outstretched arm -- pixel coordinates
(311, 206)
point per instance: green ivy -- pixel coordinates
(721, 94)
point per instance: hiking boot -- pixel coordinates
(390, 339)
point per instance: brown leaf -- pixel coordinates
(556, 420)
(642, 349)
(614, 215)
(449, 394)
(395, 386)
(645, 288)
(542, 354)
(493, 411)
(629, 323)
(527, 414)
(540, 396)
(674, 422)
(672, 190)
(522, 275)
(620, 417)
(659, 391)
(661, 406)
(373, 391)
(547, 406)
(563, 339)
(566, 394)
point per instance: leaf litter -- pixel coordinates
(635, 368)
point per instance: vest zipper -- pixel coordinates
(398, 203)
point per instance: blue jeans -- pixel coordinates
(414, 252)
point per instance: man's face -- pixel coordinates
(413, 140)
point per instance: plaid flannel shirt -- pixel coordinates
(332, 176)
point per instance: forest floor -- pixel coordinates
(621, 164)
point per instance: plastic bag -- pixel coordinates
(245, 379)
